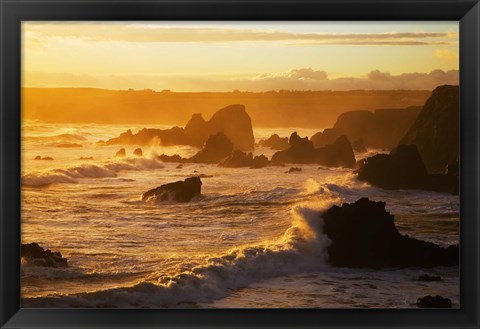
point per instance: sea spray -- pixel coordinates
(301, 248)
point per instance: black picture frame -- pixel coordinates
(13, 12)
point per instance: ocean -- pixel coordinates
(251, 240)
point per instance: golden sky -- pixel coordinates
(248, 56)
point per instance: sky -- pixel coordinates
(245, 56)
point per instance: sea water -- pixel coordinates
(252, 239)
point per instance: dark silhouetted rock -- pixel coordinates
(86, 158)
(180, 191)
(275, 142)
(147, 136)
(216, 148)
(236, 124)
(383, 129)
(338, 154)
(359, 146)
(138, 152)
(121, 153)
(239, 159)
(301, 150)
(35, 254)
(293, 169)
(364, 235)
(328, 136)
(233, 121)
(172, 158)
(180, 166)
(403, 168)
(47, 158)
(428, 278)
(38, 158)
(436, 130)
(434, 302)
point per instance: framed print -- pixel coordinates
(239, 164)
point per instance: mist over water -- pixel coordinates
(253, 239)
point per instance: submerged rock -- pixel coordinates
(293, 169)
(86, 158)
(180, 191)
(429, 278)
(41, 257)
(363, 234)
(434, 302)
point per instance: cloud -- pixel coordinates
(449, 56)
(296, 79)
(98, 32)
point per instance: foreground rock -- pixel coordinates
(364, 235)
(293, 169)
(233, 121)
(275, 142)
(434, 302)
(301, 150)
(239, 159)
(403, 168)
(180, 191)
(436, 130)
(32, 252)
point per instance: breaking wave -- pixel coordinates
(301, 248)
(73, 174)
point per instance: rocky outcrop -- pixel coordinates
(216, 148)
(436, 130)
(301, 150)
(327, 136)
(275, 142)
(172, 158)
(429, 278)
(138, 152)
(33, 253)
(363, 235)
(180, 191)
(293, 169)
(383, 129)
(44, 158)
(403, 168)
(167, 137)
(239, 159)
(434, 302)
(233, 121)
(121, 153)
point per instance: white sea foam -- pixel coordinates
(73, 174)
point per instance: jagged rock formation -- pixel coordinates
(138, 152)
(275, 142)
(180, 191)
(239, 159)
(301, 150)
(35, 254)
(216, 148)
(436, 130)
(363, 234)
(403, 168)
(233, 121)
